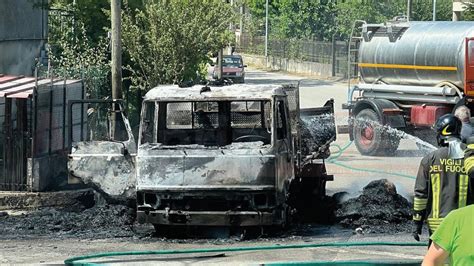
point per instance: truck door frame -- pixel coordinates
(130, 144)
(283, 147)
(108, 165)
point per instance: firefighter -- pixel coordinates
(464, 114)
(442, 181)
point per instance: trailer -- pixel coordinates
(403, 76)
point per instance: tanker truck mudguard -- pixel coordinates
(214, 156)
(403, 76)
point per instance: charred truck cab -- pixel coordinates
(220, 156)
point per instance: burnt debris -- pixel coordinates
(378, 209)
(97, 219)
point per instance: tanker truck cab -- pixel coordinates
(403, 76)
(469, 71)
(214, 156)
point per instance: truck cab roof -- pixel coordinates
(216, 93)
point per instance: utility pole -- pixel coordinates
(116, 59)
(409, 9)
(434, 10)
(231, 29)
(219, 63)
(116, 50)
(266, 32)
(241, 26)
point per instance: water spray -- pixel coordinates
(317, 128)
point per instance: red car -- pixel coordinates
(232, 68)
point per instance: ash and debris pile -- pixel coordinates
(378, 209)
(100, 221)
(317, 132)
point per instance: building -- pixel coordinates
(459, 6)
(23, 34)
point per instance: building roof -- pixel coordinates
(22, 87)
(231, 92)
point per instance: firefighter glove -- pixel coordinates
(417, 227)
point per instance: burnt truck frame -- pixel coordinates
(407, 77)
(215, 156)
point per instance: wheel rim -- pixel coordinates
(367, 134)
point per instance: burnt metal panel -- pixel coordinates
(203, 167)
(209, 218)
(104, 165)
(234, 92)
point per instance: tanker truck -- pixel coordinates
(407, 74)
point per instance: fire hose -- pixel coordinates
(333, 160)
(80, 260)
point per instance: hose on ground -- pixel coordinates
(79, 260)
(334, 160)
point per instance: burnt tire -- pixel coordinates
(371, 137)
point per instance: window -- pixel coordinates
(471, 52)
(231, 62)
(250, 114)
(208, 123)
(189, 115)
(148, 124)
(104, 122)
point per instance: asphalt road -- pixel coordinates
(314, 92)
(55, 251)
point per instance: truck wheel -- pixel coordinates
(370, 137)
(391, 142)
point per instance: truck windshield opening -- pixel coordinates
(208, 123)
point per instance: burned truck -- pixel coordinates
(216, 156)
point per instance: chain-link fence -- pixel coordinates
(331, 53)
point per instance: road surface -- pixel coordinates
(314, 93)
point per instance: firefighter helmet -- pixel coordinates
(447, 126)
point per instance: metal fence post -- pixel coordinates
(333, 52)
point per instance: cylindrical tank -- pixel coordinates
(425, 54)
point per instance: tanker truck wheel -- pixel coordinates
(370, 136)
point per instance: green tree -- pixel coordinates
(305, 19)
(170, 40)
(349, 11)
(74, 51)
(468, 14)
(423, 10)
(371, 11)
(91, 14)
(255, 20)
(321, 19)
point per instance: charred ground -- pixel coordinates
(378, 209)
